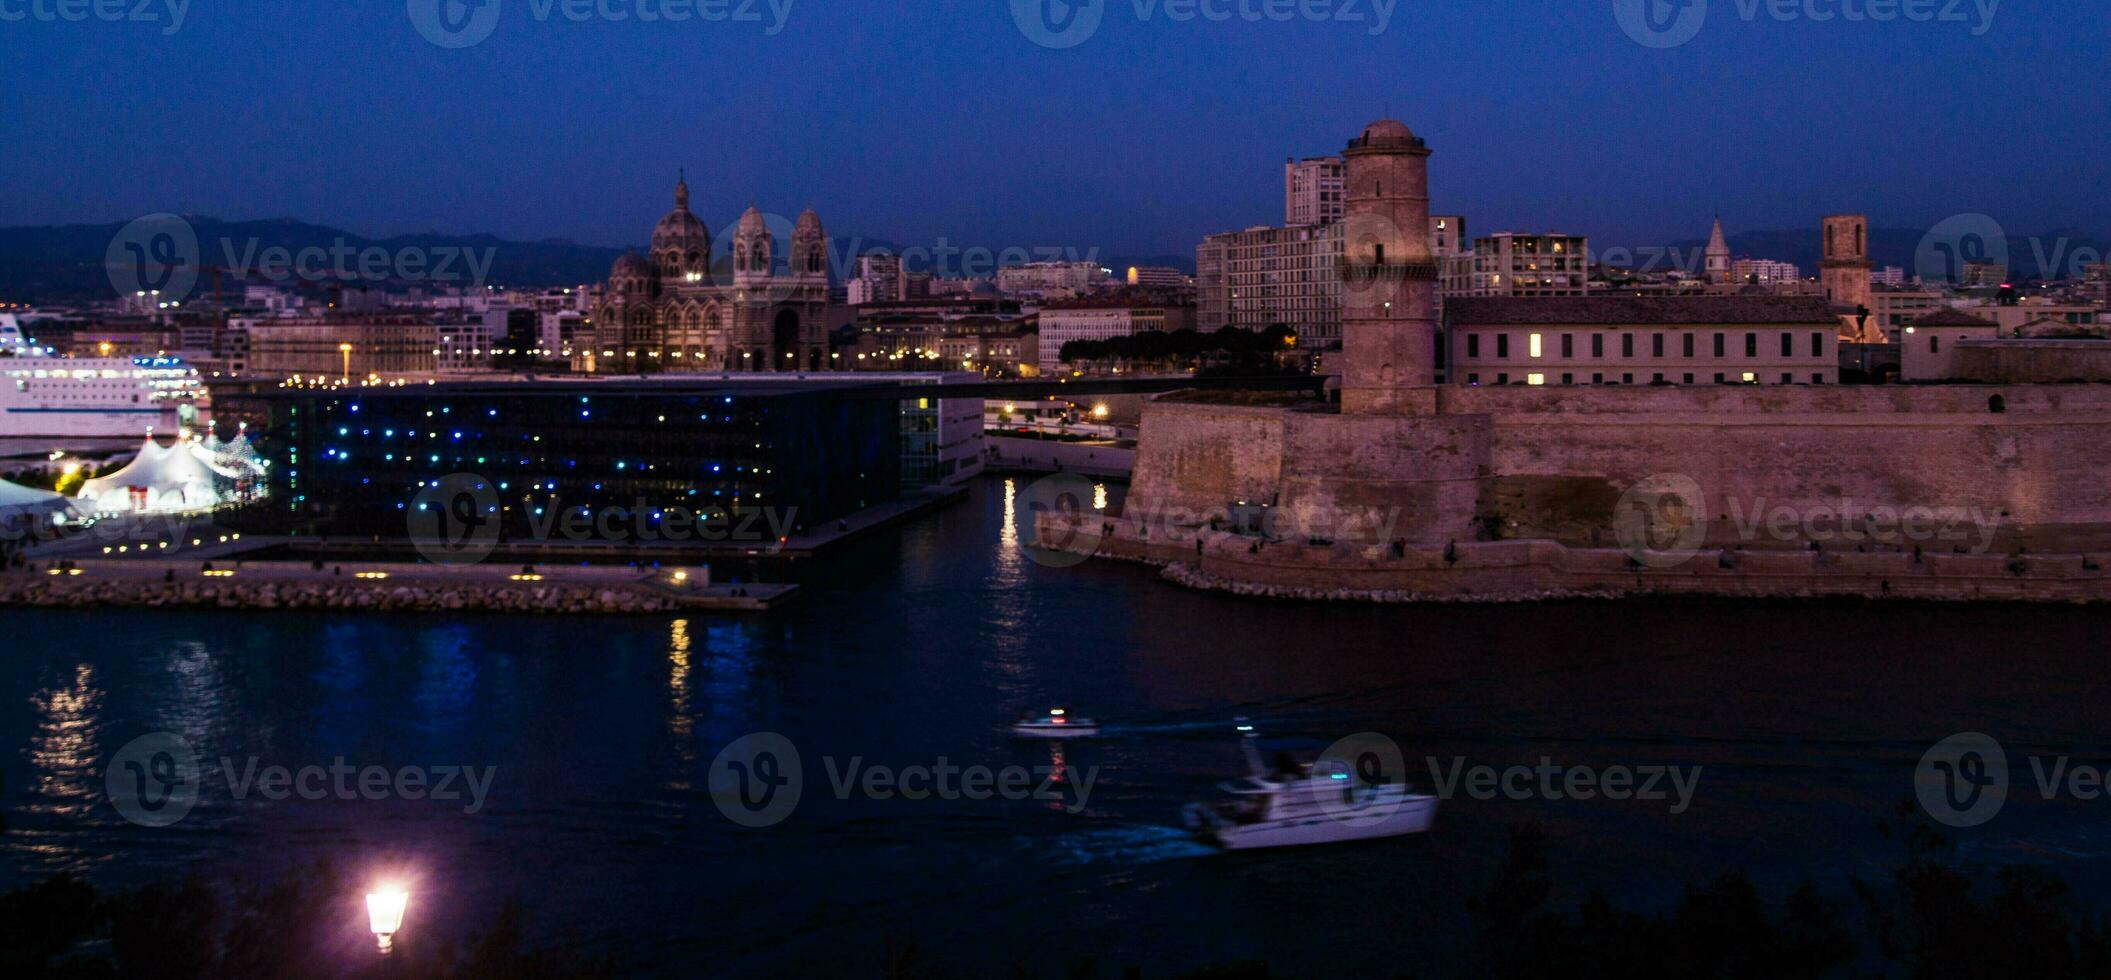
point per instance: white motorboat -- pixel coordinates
(1057, 723)
(1294, 805)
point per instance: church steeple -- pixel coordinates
(681, 189)
(1718, 256)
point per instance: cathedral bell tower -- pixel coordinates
(1388, 275)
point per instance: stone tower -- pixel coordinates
(754, 249)
(1844, 270)
(1388, 276)
(1718, 256)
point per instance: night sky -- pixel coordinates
(913, 120)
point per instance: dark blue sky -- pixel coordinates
(916, 119)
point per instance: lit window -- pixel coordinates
(1535, 379)
(1537, 346)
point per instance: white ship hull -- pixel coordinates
(1412, 815)
(82, 423)
(43, 395)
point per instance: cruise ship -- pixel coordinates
(45, 394)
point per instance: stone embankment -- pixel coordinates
(255, 585)
(17, 589)
(1532, 571)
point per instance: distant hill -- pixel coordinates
(1897, 246)
(64, 263)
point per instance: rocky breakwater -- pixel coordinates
(41, 588)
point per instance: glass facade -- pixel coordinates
(356, 460)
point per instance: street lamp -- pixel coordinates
(346, 351)
(384, 912)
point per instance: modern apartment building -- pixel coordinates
(1312, 191)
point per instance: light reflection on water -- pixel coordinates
(67, 754)
(924, 644)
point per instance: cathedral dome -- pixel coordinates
(809, 222)
(630, 266)
(681, 245)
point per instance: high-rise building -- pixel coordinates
(1312, 191)
(1766, 272)
(1261, 277)
(1513, 264)
(1156, 276)
(1447, 235)
(1102, 318)
(879, 280)
(1057, 279)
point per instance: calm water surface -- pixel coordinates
(1806, 720)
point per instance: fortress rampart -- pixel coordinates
(1545, 463)
(1545, 488)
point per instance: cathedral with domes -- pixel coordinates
(684, 308)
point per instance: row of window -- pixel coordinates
(1744, 378)
(1535, 344)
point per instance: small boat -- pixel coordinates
(1057, 723)
(1305, 804)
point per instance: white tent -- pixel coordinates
(159, 480)
(18, 502)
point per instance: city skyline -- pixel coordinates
(964, 143)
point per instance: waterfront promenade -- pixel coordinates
(381, 586)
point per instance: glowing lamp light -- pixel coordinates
(384, 913)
